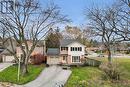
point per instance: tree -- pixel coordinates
(71, 32)
(28, 20)
(81, 34)
(127, 2)
(123, 29)
(53, 39)
(102, 22)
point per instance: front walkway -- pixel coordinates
(4, 66)
(53, 76)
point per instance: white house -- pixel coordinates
(70, 52)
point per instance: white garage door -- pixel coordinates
(9, 58)
(54, 60)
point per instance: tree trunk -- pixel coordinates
(24, 68)
(109, 56)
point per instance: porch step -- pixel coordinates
(65, 67)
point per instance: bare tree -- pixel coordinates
(28, 20)
(127, 2)
(102, 22)
(71, 32)
(123, 29)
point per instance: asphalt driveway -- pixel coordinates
(4, 66)
(53, 76)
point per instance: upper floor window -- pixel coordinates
(64, 48)
(76, 49)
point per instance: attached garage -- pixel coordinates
(8, 58)
(53, 56)
(53, 60)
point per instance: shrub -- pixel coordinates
(37, 59)
(111, 71)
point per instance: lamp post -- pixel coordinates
(18, 77)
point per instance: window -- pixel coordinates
(76, 48)
(75, 59)
(80, 48)
(71, 48)
(64, 48)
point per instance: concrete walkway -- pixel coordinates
(53, 76)
(4, 66)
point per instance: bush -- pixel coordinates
(111, 71)
(37, 59)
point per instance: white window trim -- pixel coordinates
(75, 62)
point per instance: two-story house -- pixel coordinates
(70, 52)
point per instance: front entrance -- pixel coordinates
(64, 59)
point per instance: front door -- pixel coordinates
(64, 60)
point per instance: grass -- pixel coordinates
(10, 74)
(80, 74)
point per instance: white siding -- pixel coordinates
(76, 53)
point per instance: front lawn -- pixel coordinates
(10, 74)
(92, 75)
(82, 74)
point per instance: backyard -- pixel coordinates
(91, 76)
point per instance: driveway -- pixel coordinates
(4, 66)
(53, 76)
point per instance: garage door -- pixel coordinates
(53, 60)
(8, 59)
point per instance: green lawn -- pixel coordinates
(87, 74)
(82, 74)
(10, 74)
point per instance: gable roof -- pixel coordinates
(66, 42)
(53, 51)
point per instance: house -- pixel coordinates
(5, 55)
(71, 52)
(39, 49)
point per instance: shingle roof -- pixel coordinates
(53, 51)
(66, 42)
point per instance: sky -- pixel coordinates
(75, 9)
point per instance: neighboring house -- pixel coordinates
(70, 52)
(6, 56)
(39, 49)
(4, 53)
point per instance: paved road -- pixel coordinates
(51, 77)
(4, 66)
